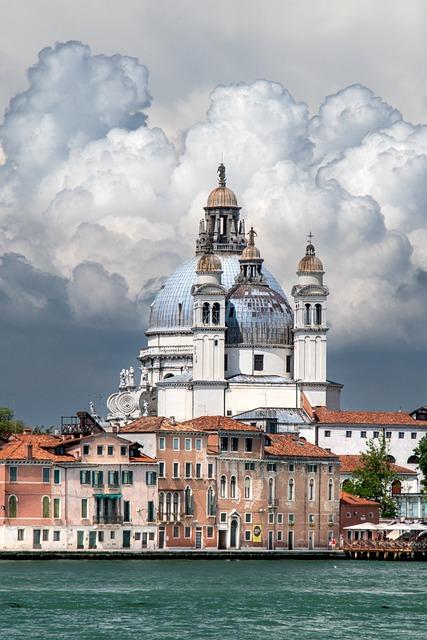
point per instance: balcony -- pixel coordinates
(108, 519)
(273, 503)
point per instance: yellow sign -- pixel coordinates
(257, 534)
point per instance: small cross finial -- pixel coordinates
(221, 175)
(310, 237)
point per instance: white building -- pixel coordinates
(223, 338)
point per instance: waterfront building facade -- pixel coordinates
(208, 483)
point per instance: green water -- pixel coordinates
(286, 599)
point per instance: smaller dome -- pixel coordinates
(250, 252)
(209, 262)
(222, 197)
(310, 262)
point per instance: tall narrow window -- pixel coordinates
(307, 314)
(175, 506)
(270, 491)
(206, 313)
(233, 487)
(318, 314)
(13, 507)
(161, 505)
(248, 488)
(188, 495)
(56, 507)
(215, 313)
(46, 507)
(84, 508)
(223, 487)
(168, 506)
(330, 490)
(311, 489)
(211, 502)
(291, 491)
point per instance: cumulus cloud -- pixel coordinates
(97, 207)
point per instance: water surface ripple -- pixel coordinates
(170, 600)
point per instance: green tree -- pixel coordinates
(7, 424)
(372, 479)
(421, 453)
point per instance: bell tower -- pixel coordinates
(310, 326)
(208, 336)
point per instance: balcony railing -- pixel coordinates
(108, 520)
(273, 503)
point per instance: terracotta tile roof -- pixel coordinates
(294, 447)
(327, 416)
(349, 463)
(148, 424)
(218, 423)
(143, 458)
(42, 448)
(349, 498)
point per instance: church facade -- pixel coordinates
(223, 339)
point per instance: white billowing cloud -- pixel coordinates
(111, 205)
(73, 97)
(346, 117)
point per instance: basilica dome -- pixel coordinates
(172, 308)
(222, 197)
(257, 314)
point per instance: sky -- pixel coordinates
(113, 118)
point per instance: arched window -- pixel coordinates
(206, 313)
(13, 507)
(175, 505)
(188, 495)
(318, 314)
(167, 375)
(311, 489)
(46, 507)
(346, 485)
(391, 459)
(413, 460)
(248, 488)
(211, 509)
(161, 505)
(168, 506)
(270, 491)
(330, 490)
(291, 492)
(233, 492)
(396, 488)
(223, 487)
(307, 314)
(215, 313)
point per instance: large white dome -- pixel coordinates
(172, 309)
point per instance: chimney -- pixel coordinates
(114, 428)
(28, 431)
(29, 451)
(173, 421)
